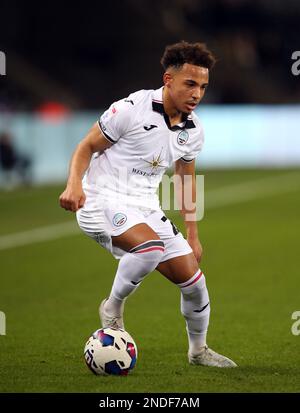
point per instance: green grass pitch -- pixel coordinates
(50, 292)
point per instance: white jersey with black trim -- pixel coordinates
(144, 146)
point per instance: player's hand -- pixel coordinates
(73, 198)
(196, 247)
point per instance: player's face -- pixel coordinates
(186, 86)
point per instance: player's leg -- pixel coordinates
(195, 307)
(123, 232)
(185, 273)
(144, 250)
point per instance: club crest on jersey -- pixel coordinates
(119, 219)
(182, 137)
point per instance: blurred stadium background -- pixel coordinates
(64, 66)
(64, 69)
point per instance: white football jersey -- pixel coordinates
(144, 147)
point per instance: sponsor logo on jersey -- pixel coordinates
(143, 173)
(119, 219)
(156, 161)
(182, 137)
(149, 127)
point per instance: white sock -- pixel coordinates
(132, 269)
(195, 308)
(115, 306)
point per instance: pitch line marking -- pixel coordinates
(40, 234)
(251, 190)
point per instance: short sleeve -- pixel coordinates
(115, 121)
(195, 150)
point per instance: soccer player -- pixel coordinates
(123, 158)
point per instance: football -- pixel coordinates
(110, 351)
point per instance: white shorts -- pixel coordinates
(102, 224)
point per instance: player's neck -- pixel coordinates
(175, 116)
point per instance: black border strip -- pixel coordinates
(94, 402)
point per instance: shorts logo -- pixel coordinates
(119, 219)
(182, 137)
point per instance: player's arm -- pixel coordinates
(187, 180)
(73, 196)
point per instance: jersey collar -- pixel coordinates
(158, 106)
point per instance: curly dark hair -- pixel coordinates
(175, 55)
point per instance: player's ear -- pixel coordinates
(167, 78)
